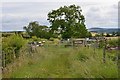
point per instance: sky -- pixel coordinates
(15, 14)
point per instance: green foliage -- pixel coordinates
(11, 46)
(55, 41)
(40, 31)
(97, 35)
(101, 44)
(34, 38)
(51, 39)
(60, 62)
(114, 42)
(7, 34)
(112, 55)
(68, 21)
(82, 57)
(88, 34)
(119, 41)
(117, 33)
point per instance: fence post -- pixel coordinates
(104, 52)
(3, 59)
(94, 46)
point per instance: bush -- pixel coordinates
(101, 44)
(11, 46)
(34, 38)
(7, 34)
(51, 39)
(114, 42)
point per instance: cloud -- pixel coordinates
(19, 14)
(59, 0)
(102, 16)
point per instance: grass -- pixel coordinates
(60, 62)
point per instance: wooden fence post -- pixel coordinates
(104, 55)
(94, 46)
(3, 59)
(104, 52)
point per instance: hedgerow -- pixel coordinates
(10, 48)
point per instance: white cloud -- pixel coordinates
(59, 0)
(97, 14)
(0, 16)
(102, 16)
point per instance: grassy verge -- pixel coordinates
(60, 62)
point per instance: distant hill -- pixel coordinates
(103, 30)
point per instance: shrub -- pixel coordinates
(34, 38)
(101, 44)
(11, 46)
(114, 42)
(51, 39)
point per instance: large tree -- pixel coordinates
(34, 29)
(69, 21)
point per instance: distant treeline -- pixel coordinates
(5, 34)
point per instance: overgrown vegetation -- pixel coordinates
(114, 42)
(59, 62)
(40, 31)
(10, 48)
(55, 61)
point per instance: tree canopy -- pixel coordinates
(34, 29)
(68, 21)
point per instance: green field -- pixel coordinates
(59, 62)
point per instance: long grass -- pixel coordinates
(53, 61)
